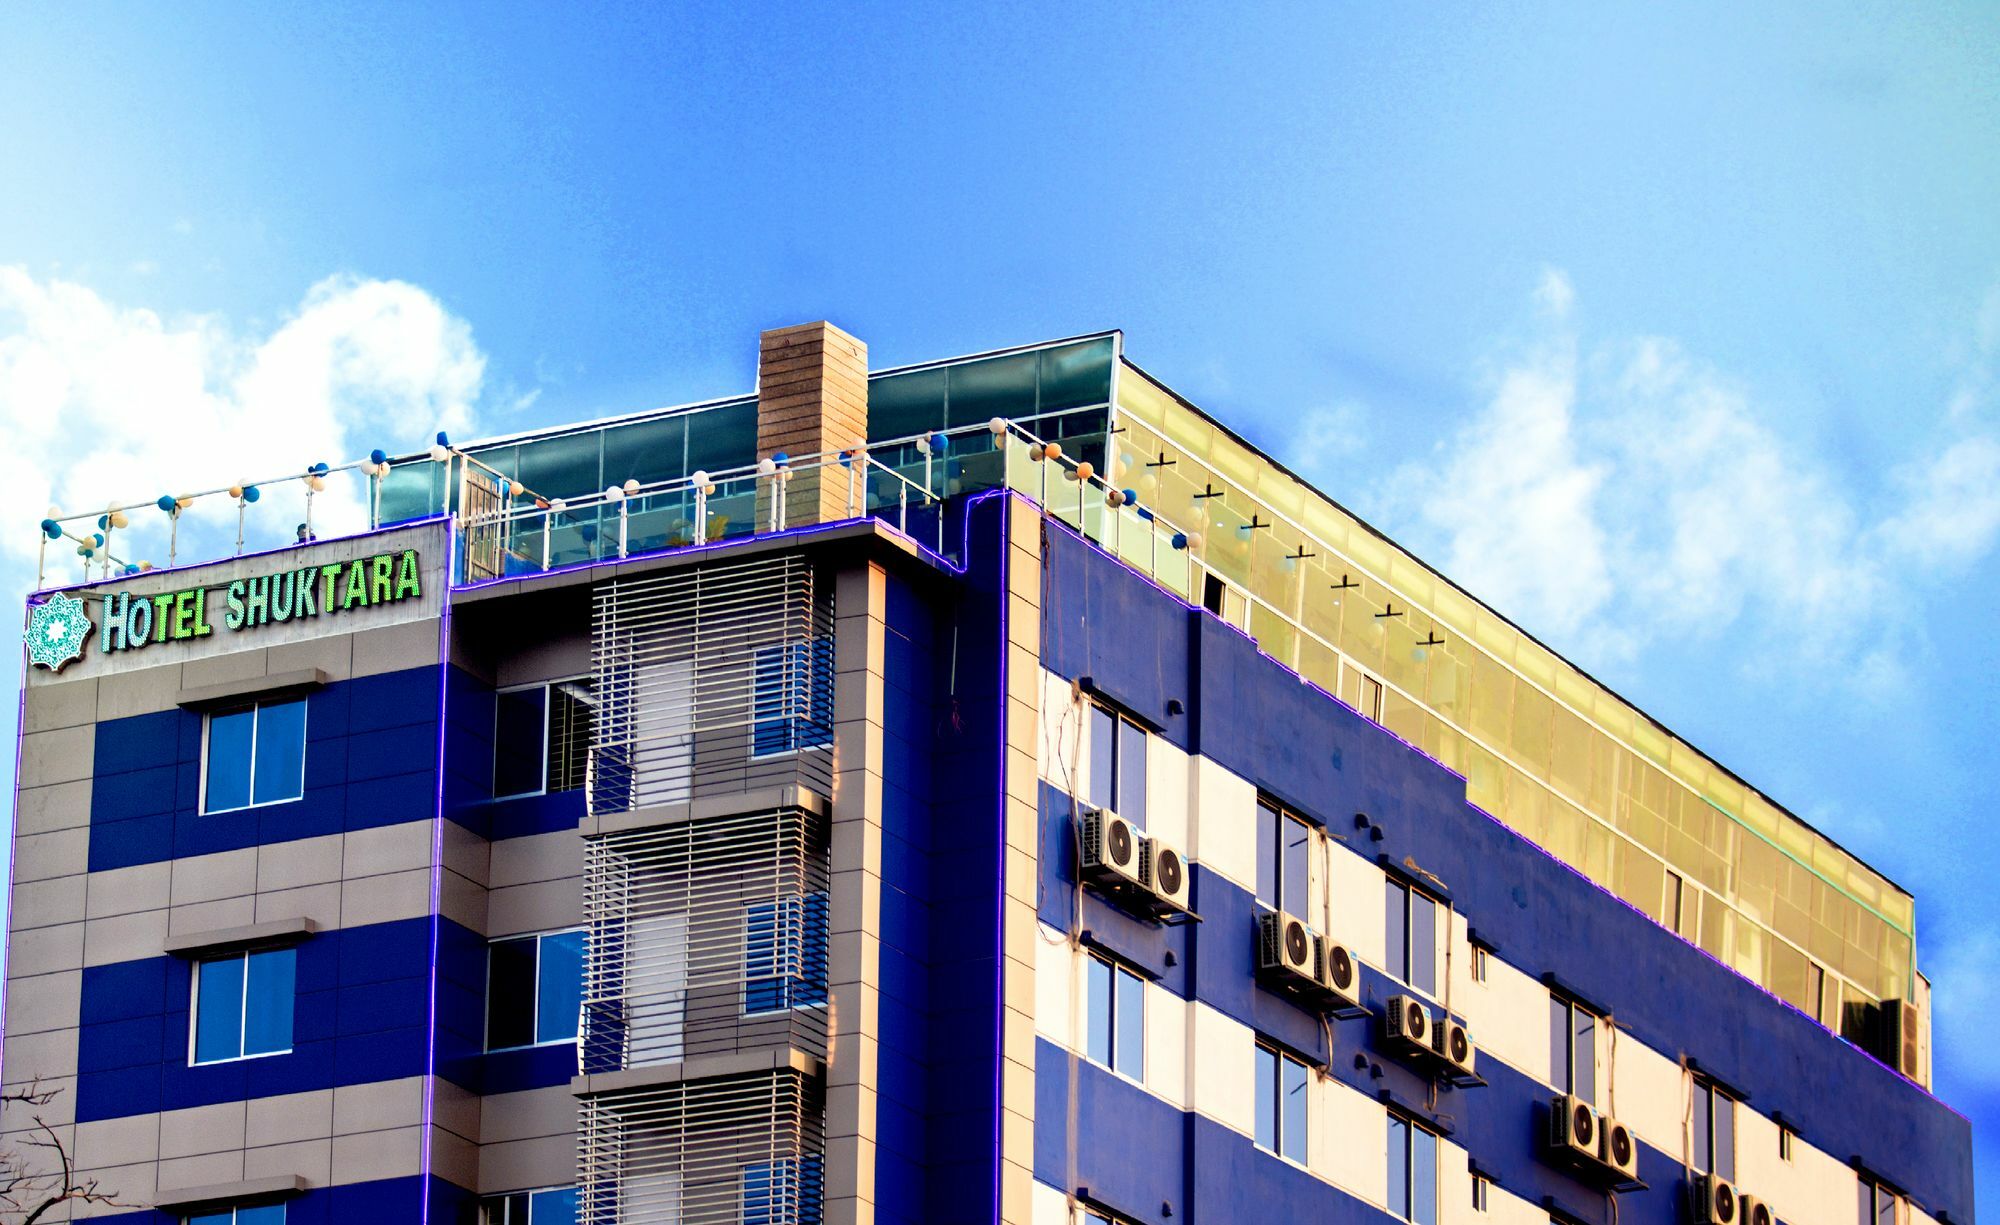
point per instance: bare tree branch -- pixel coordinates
(24, 1189)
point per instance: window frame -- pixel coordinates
(793, 991)
(234, 1213)
(1482, 1191)
(1282, 1061)
(1274, 845)
(242, 1007)
(1120, 721)
(1563, 1079)
(1120, 974)
(1412, 1128)
(487, 1203)
(548, 691)
(1879, 1196)
(1702, 1130)
(535, 1002)
(1411, 892)
(256, 709)
(801, 733)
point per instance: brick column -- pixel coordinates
(812, 396)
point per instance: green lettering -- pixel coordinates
(357, 586)
(233, 619)
(257, 601)
(183, 615)
(302, 598)
(381, 577)
(407, 582)
(201, 626)
(332, 574)
(163, 617)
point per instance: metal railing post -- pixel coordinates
(548, 535)
(624, 524)
(701, 514)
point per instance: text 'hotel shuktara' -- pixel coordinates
(986, 790)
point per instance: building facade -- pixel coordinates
(986, 790)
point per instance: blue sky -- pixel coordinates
(1675, 330)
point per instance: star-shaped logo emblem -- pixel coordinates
(57, 629)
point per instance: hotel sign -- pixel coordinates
(127, 621)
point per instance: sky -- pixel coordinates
(1672, 331)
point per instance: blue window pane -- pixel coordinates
(1292, 882)
(1703, 1158)
(1583, 1055)
(1399, 1168)
(228, 778)
(281, 752)
(1103, 752)
(1423, 1177)
(1267, 855)
(1128, 1047)
(218, 1011)
(510, 1007)
(812, 961)
(817, 731)
(1396, 925)
(559, 990)
(222, 1218)
(519, 728)
(763, 989)
(1559, 1067)
(263, 1214)
(1097, 1011)
(1292, 1127)
(267, 1007)
(1725, 1137)
(556, 1207)
(1267, 1098)
(1132, 773)
(1423, 943)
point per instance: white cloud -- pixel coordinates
(1620, 493)
(102, 403)
(1327, 435)
(1966, 994)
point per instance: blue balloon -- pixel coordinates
(378, 456)
(130, 568)
(1144, 513)
(1180, 540)
(847, 459)
(442, 441)
(52, 529)
(1131, 495)
(940, 444)
(166, 503)
(781, 459)
(250, 493)
(320, 469)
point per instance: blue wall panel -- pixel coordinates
(1143, 647)
(391, 1201)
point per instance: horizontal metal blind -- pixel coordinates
(707, 936)
(711, 679)
(746, 1150)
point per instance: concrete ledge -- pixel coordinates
(737, 803)
(230, 1192)
(701, 1067)
(277, 931)
(257, 686)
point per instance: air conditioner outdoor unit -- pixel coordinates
(1899, 1037)
(1450, 1043)
(1407, 1024)
(1752, 1211)
(1621, 1149)
(1574, 1129)
(1164, 870)
(1112, 850)
(1287, 951)
(1715, 1201)
(1340, 974)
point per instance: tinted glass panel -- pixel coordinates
(1129, 1044)
(1293, 1125)
(1267, 1098)
(1399, 1168)
(510, 994)
(222, 1218)
(267, 1006)
(1725, 1137)
(1396, 924)
(519, 724)
(1423, 1177)
(1583, 1055)
(648, 452)
(996, 387)
(1559, 1071)
(1423, 943)
(1703, 1152)
(218, 1019)
(556, 1207)
(1292, 892)
(1267, 855)
(559, 993)
(407, 493)
(1885, 1208)
(905, 404)
(563, 467)
(229, 742)
(1103, 749)
(281, 752)
(1076, 375)
(722, 438)
(1132, 773)
(1097, 1011)
(262, 1214)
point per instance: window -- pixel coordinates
(262, 1214)
(1284, 851)
(1785, 1139)
(784, 954)
(1479, 1185)
(1478, 964)
(534, 989)
(1413, 1167)
(792, 698)
(1672, 899)
(784, 1192)
(1412, 932)
(1118, 765)
(1573, 1048)
(254, 755)
(541, 738)
(554, 1206)
(1714, 1128)
(1281, 1103)
(1878, 1203)
(243, 1006)
(1371, 697)
(1115, 1017)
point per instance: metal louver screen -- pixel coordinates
(743, 1149)
(707, 936)
(712, 679)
